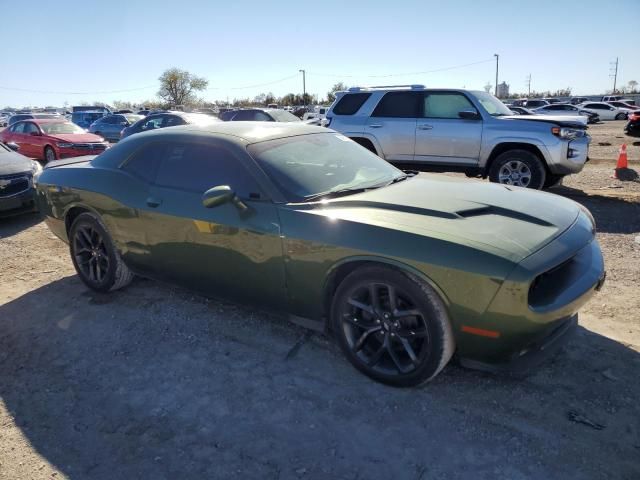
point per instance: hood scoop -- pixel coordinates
(503, 212)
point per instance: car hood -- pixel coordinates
(77, 137)
(510, 222)
(575, 121)
(12, 162)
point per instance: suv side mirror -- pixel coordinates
(469, 115)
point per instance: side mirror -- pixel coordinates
(217, 196)
(36, 134)
(222, 194)
(13, 146)
(469, 115)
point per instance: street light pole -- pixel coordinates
(497, 59)
(304, 88)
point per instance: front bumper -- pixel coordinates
(569, 156)
(532, 354)
(539, 295)
(18, 204)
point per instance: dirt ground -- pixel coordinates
(155, 382)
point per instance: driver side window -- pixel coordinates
(446, 105)
(151, 124)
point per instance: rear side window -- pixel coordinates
(446, 105)
(145, 162)
(350, 103)
(399, 105)
(18, 128)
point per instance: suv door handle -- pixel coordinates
(425, 127)
(375, 125)
(153, 202)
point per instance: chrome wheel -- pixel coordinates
(384, 329)
(515, 172)
(90, 253)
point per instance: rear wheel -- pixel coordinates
(520, 168)
(621, 116)
(392, 326)
(49, 154)
(94, 256)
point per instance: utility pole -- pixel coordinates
(529, 85)
(497, 60)
(304, 89)
(614, 66)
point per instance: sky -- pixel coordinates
(83, 51)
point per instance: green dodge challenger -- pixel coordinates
(403, 270)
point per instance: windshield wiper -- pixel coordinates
(336, 193)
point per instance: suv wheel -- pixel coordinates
(520, 168)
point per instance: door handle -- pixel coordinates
(375, 125)
(425, 127)
(153, 202)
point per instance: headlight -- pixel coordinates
(65, 145)
(588, 214)
(35, 167)
(565, 132)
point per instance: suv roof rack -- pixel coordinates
(412, 87)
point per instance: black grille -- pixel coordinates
(89, 146)
(17, 184)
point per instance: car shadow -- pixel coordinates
(152, 382)
(612, 214)
(11, 225)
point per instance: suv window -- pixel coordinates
(198, 167)
(350, 103)
(446, 105)
(399, 105)
(145, 161)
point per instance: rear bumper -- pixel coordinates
(532, 354)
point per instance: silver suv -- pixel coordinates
(461, 130)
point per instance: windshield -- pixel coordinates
(283, 116)
(200, 119)
(132, 118)
(307, 165)
(61, 127)
(491, 104)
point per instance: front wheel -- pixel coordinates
(49, 154)
(520, 168)
(392, 326)
(94, 255)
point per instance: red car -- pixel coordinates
(52, 139)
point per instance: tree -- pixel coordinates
(338, 87)
(632, 86)
(178, 87)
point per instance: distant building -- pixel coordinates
(503, 90)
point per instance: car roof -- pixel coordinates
(49, 120)
(247, 132)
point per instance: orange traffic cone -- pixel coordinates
(622, 160)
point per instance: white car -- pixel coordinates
(604, 110)
(621, 104)
(317, 112)
(560, 109)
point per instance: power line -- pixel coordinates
(400, 74)
(76, 93)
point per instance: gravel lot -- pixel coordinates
(154, 382)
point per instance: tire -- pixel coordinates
(520, 168)
(552, 180)
(94, 255)
(621, 116)
(403, 346)
(49, 154)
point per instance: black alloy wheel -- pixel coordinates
(90, 253)
(392, 327)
